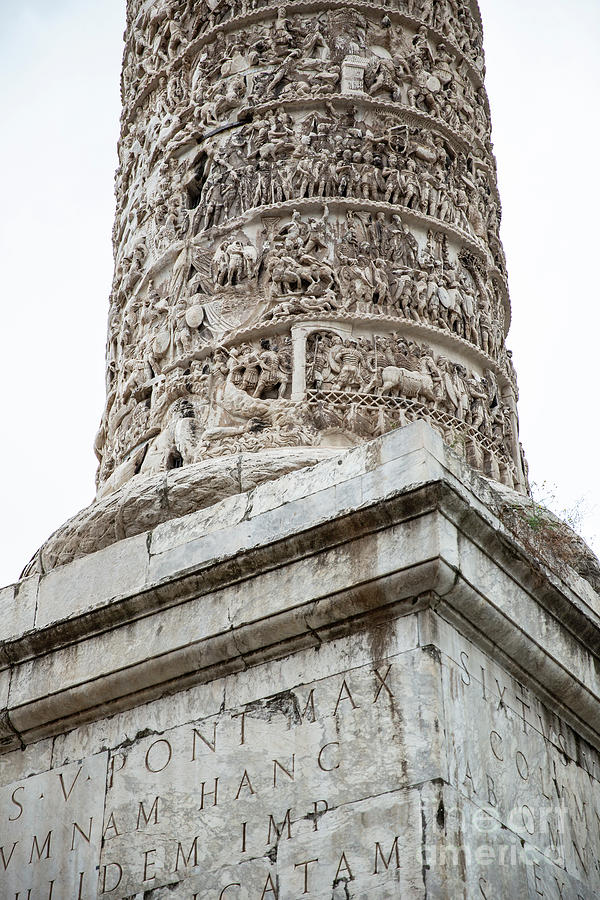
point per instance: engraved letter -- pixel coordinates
(581, 810)
(168, 753)
(469, 777)
(106, 890)
(537, 882)
(378, 853)
(142, 813)
(198, 734)
(87, 837)
(543, 786)
(383, 685)
(322, 766)
(289, 773)
(560, 885)
(226, 888)
(148, 864)
(464, 659)
(344, 694)
(555, 839)
(206, 793)
(245, 782)
(501, 693)
(186, 859)
(310, 703)
(306, 864)
(580, 857)
(279, 829)
(522, 765)
(317, 814)
(524, 706)
(67, 794)
(16, 803)
(5, 861)
(528, 820)
(111, 824)
(45, 846)
(269, 888)
(241, 716)
(343, 865)
(492, 798)
(562, 743)
(495, 741)
(111, 767)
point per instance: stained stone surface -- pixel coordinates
(350, 784)
(351, 682)
(307, 248)
(299, 646)
(51, 830)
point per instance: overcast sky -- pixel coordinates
(59, 76)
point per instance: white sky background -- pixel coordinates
(59, 93)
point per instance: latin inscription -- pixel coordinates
(524, 765)
(332, 789)
(50, 833)
(239, 786)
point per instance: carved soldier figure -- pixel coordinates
(346, 361)
(236, 267)
(272, 374)
(394, 186)
(381, 75)
(478, 400)
(420, 91)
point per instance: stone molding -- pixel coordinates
(397, 524)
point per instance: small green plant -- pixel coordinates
(548, 511)
(544, 525)
(538, 519)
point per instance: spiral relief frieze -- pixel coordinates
(307, 247)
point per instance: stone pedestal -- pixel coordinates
(351, 682)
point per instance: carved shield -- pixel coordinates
(161, 343)
(194, 317)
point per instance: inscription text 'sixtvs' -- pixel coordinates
(306, 241)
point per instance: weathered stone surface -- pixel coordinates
(365, 636)
(263, 665)
(327, 742)
(278, 567)
(406, 762)
(516, 758)
(19, 764)
(51, 829)
(101, 577)
(226, 514)
(18, 604)
(148, 500)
